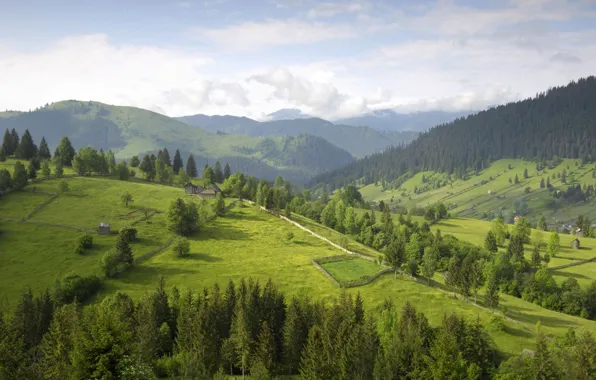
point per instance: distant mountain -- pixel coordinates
(129, 131)
(558, 123)
(358, 141)
(288, 114)
(389, 120)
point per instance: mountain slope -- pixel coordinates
(130, 131)
(389, 120)
(560, 122)
(359, 141)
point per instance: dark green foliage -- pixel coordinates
(44, 150)
(5, 180)
(31, 170)
(218, 175)
(490, 242)
(109, 262)
(123, 248)
(128, 233)
(220, 205)
(181, 247)
(27, 149)
(474, 141)
(76, 287)
(227, 171)
(134, 161)
(148, 168)
(8, 142)
(165, 157)
(208, 175)
(177, 163)
(191, 167)
(2, 154)
(20, 178)
(183, 217)
(122, 171)
(64, 152)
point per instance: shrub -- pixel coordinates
(497, 323)
(86, 241)
(63, 186)
(76, 287)
(79, 249)
(128, 233)
(110, 262)
(289, 236)
(181, 246)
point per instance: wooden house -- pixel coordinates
(203, 192)
(103, 229)
(575, 244)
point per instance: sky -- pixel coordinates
(332, 59)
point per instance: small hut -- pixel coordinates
(104, 229)
(575, 243)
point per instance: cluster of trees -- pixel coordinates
(121, 254)
(248, 328)
(513, 274)
(164, 170)
(555, 123)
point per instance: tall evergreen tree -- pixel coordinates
(44, 150)
(165, 156)
(191, 167)
(2, 154)
(64, 152)
(124, 249)
(217, 173)
(15, 141)
(177, 163)
(19, 176)
(27, 149)
(240, 334)
(490, 242)
(543, 367)
(491, 297)
(7, 144)
(208, 176)
(227, 171)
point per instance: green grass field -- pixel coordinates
(351, 269)
(246, 242)
(471, 198)
(9, 165)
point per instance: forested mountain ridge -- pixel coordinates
(129, 131)
(389, 120)
(559, 122)
(359, 141)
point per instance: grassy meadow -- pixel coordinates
(351, 269)
(470, 197)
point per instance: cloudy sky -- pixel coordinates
(330, 59)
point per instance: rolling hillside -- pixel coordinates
(389, 120)
(130, 131)
(359, 141)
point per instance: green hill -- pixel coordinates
(358, 140)
(129, 131)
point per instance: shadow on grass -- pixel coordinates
(202, 257)
(443, 224)
(531, 319)
(562, 273)
(298, 242)
(243, 216)
(146, 274)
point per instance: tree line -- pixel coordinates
(253, 329)
(559, 122)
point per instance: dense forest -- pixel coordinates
(250, 328)
(560, 122)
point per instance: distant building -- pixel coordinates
(203, 192)
(579, 232)
(575, 244)
(103, 229)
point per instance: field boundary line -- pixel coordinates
(39, 207)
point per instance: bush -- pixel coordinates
(76, 287)
(181, 246)
(129, 233)
(63, 186)
(497, 323)
(289, 236)
(110, 262)
(79, 249)
(86, 241)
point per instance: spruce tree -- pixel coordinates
(490, 242)
(15, 140)
(7, 143)
(177, 163)
(19, 176)
(44, 150)
(2, 154)
(191, 167)
(217, 173)
(123, 249)
(165, 156)
(64, 152)
(227, 171)
(264, 357)
(516, 179)
(491, 297)
(536, 259)
(45, 169)
(208, 176)
(240, 334)
(312, 363)
(5, 180)
(526, 174)
(543, 367)
(27, 149)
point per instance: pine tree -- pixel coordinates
(217, 173)
(19, 176)
(554, 244)
(64, 152)
(542, 184)
(490, 242)
(2, 154)
(124, 250)
(543, 367)
(536, 259)
(263, 360)
(27, 149)
(526, 174)
(240, 334)
(31, 171)
(165, 156)
(208, 176)
(177, 163)
(5, 180)
(516, 179)
(542, 223)
(148, 167)
(312, 363)
(7, 143)
(44, 151)
(110, 162)
(191, 167)
(491, 297)
(429, 261)
(227, 171)
(219, 206)
(294, 335)
(45, 169)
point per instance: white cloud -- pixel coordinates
(332, 9)
(250, 36)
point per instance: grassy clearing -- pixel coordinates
(351, 269)
(334, 236)
(9, 164)
(19, 204)
(471, 198)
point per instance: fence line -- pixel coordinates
(327, 274)
(581, 262)
(39, 207)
